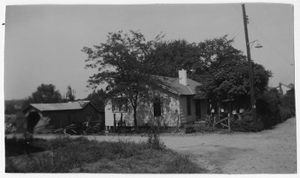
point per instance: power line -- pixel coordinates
(237, 9)
(239, 28)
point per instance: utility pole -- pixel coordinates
(253, 105)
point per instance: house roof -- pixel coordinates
(173, 85)
(59, 106)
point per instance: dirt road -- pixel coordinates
(270, 151)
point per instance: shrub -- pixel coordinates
(154, 142)
(10, 123)
(288, 101)
(244, 126)
(189, 129)
(268, 108)
(285, 113)
(181, 164)
(209, 121)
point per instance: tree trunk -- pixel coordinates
(135, 117)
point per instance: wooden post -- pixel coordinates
(214, 118)
(121, 119)
(177, 126)
(114, 122)
(159, 120)
(253, 102)
(229, 124)
(121, 127)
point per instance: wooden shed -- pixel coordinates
(59, 115)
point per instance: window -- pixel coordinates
(188, 104)
(119, 105)
(157, 107)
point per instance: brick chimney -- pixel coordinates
(182, 77)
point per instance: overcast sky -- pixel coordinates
(43, 42)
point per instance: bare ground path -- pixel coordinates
(270, 151)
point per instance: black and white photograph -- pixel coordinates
(159, 87)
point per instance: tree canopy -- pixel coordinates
(168, 57)
(231, 81)
(227, 73)
(45, 93)
(70, 95)
(98, 98)
(121, 63)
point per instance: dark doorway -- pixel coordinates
(198, 109)
(32, 119)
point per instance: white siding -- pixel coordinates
(174, 111)
(109, 116)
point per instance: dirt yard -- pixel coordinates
(270, 151)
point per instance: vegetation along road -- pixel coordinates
(269, 151)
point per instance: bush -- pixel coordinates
(285, 113)
(209, 121)
(190, 129)
(154, 142)
(288, 101)
(244, 126)
(268, 108)
(10, 123)
(181, 164)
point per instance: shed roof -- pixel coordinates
(59, 106)
(173, 85)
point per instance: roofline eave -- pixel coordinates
(167, 88)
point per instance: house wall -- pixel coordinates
(109, 115)
(145, 111)
(173, 108)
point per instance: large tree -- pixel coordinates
(168, 57)
(122, 64)
(70, 95)
(46, 93)
(198, 59)
(231, 81)
(227, 73)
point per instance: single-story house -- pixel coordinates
(172, 104)
(59, 115)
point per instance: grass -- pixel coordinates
(90, 156)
